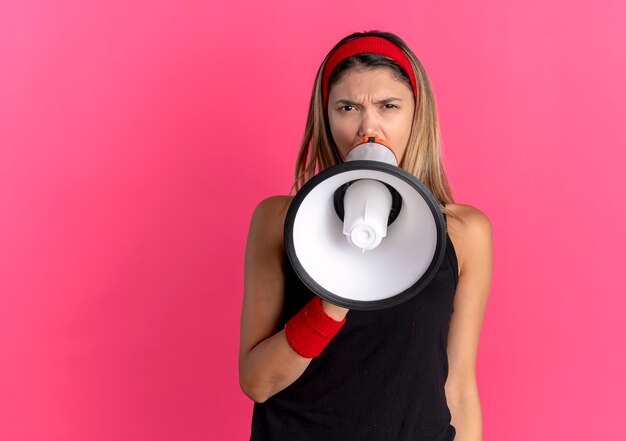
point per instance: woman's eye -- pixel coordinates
(390, 106)
(346, 108)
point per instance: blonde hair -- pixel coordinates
(423, 155)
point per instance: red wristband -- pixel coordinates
(310, 330)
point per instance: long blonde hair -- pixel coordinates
(422, 157)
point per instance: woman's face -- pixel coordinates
(370, 103)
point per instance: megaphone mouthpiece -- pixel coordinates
(371, 148)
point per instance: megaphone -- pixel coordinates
(365, 234)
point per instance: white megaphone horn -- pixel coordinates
(365, 234)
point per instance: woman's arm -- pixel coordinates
(267, 363)
(470, 231)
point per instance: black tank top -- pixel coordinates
(381, 378)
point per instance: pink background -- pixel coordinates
(136, 139)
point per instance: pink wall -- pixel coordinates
(135, 141)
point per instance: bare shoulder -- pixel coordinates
(269, 215)
(273, 206)
(471, 233)
(264, 247)
(467, 217)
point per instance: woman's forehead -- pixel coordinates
(379, 80)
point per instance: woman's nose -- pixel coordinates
(369, 125)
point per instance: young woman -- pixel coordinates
(317, 371)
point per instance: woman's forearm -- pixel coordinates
(273, 364)
(269, 367)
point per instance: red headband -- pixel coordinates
(366, 45)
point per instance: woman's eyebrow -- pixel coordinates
(387, 100)
(383, 101)
(345, 102)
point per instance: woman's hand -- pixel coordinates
(335, 312)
